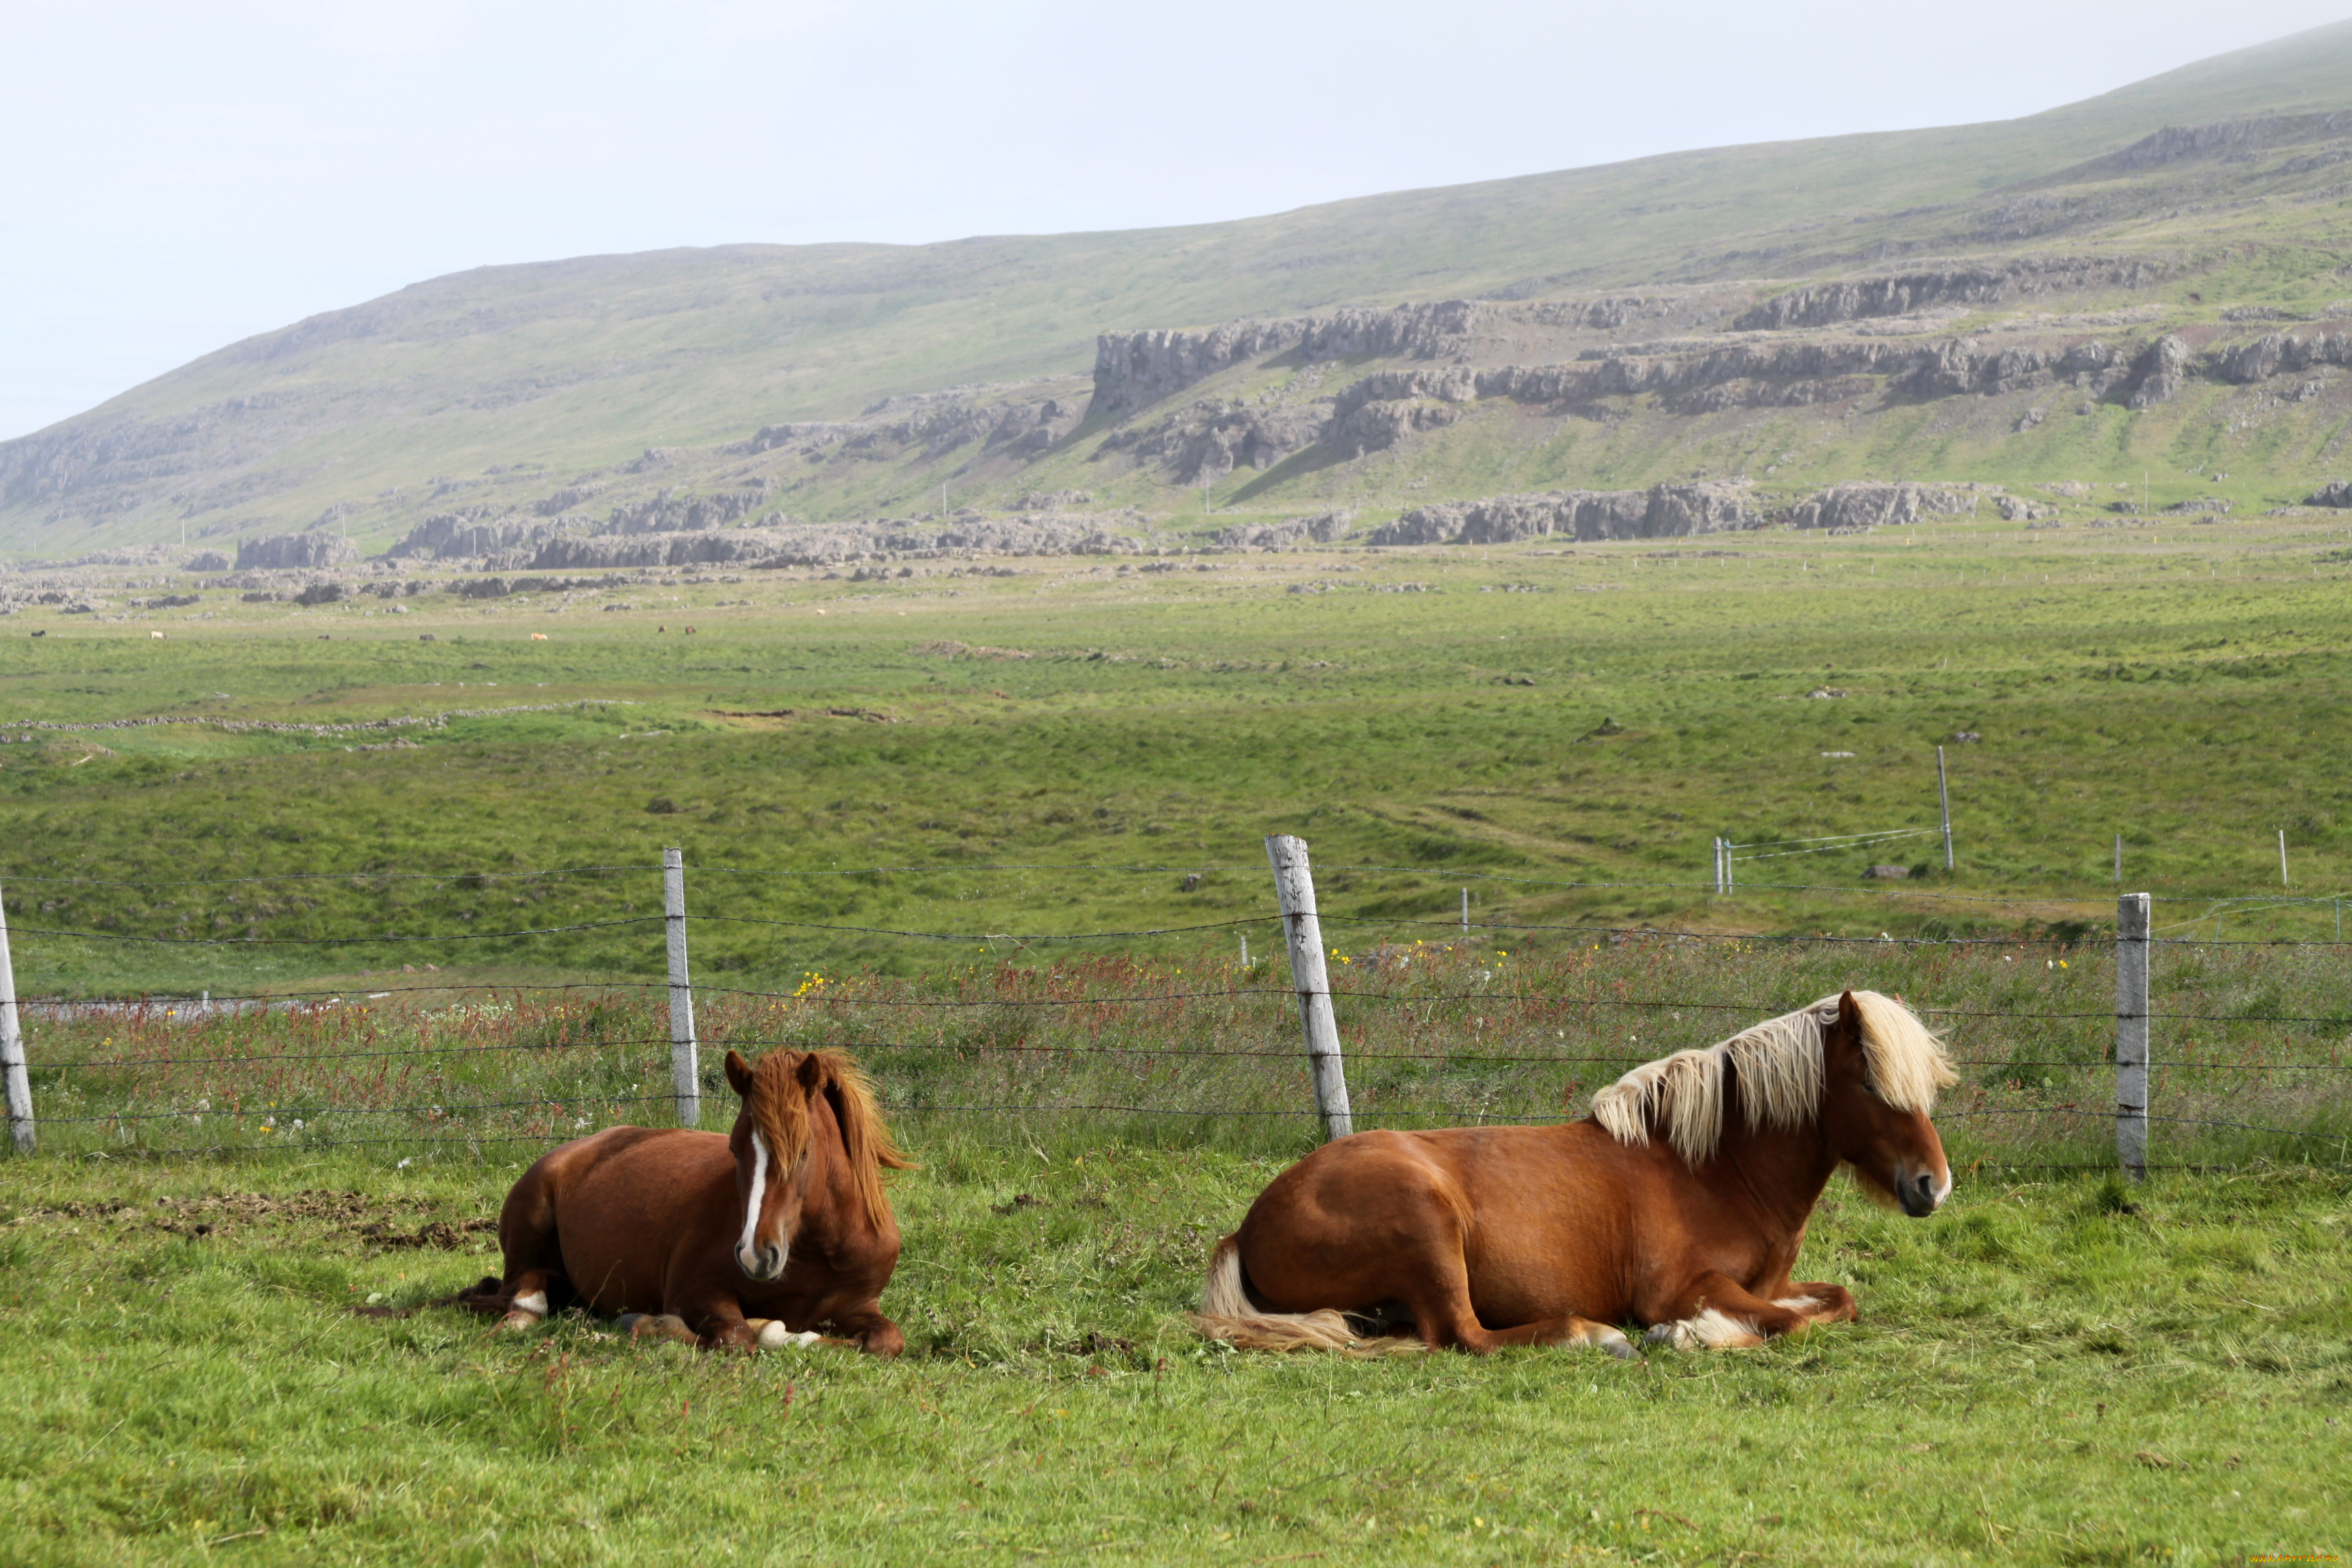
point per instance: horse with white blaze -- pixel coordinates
(771, 1235)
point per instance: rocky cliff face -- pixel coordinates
(1133, 369)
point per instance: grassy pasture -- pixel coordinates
(2053, 1370)
(2049, 1371)
(2180, 685)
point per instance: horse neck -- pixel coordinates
(1782, 1169)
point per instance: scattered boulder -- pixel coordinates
(1887, 873)
(206, 561)
(2337, 494)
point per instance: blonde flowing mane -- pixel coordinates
(1779, 1066)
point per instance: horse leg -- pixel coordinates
(659, 1326)
(1717, 1311)
(870, 1331)
(1567, 1330)
(533, 1256)
(1819, 1302)
(1442, 1311)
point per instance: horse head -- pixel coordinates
(1880, 1072)
(775, 1142)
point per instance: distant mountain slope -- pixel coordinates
(492, 388)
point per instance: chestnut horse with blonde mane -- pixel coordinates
(763, 1237)
(1680, 1203)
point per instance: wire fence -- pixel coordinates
(1086, 1036)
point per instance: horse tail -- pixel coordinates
(1226, 1313)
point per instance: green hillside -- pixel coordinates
(549, 369)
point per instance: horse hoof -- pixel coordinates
(520, 1322)
(1661, 1334)
(1619, 1347)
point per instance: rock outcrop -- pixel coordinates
(311, 552)
(1900, 294)
(2337, 494)
(673, 511)
(1133, 369)
(1660, 511)
(936, 423)
(1321, 528)
(1870, 505)
(473, 535)
(2157, 373)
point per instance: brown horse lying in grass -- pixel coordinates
(1680, 1203)
(763, 1237)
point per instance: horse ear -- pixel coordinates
(1849, 1018)
(738, 1073)
(812, 1072)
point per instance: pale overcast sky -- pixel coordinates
(176, 176)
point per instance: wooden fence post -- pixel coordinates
(12, 1050)
(1293, 887)
(2131, 1034)
(684, 1068)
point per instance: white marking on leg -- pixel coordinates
(535, 1303)
(775, 1336)
(1718, 1330)
(1799, 1304)
(746, 1253)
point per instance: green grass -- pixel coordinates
(2053, 1370)
(2048, 1372)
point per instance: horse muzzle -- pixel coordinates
(1921, 1192)
(765, 1264)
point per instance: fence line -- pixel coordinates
(2135, 944)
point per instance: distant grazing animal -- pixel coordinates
(766, 1236)
(157, 637)
(539, 636)
(1680, 1203)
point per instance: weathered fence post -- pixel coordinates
(1944, 799)
(2131, 1034)
(685, 1068)
(1294, 885)
(12, 1048)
